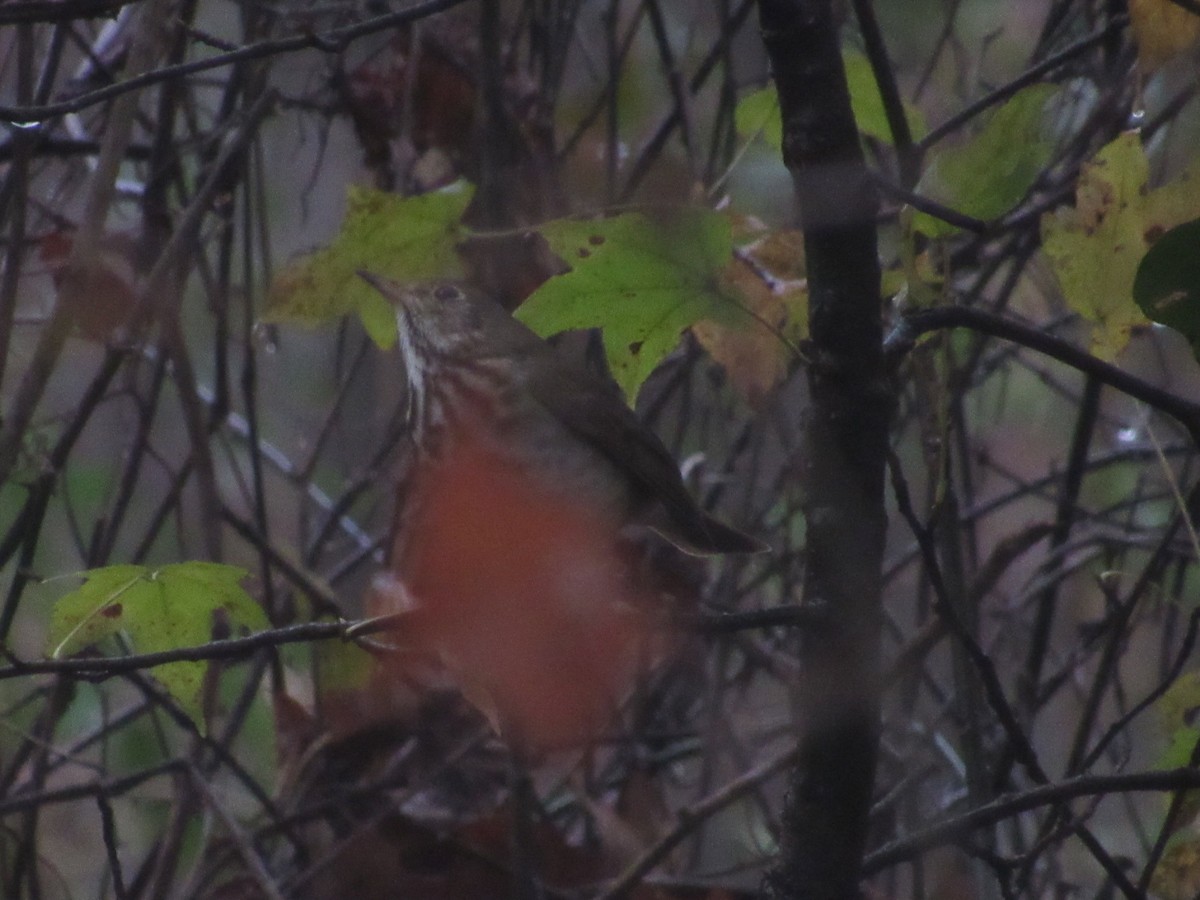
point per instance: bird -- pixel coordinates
(474, 370)
(522, 561)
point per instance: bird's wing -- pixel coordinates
(594, 411)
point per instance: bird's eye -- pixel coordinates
(447, 292)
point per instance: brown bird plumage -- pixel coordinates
(472, 366)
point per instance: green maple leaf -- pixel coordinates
(404, 238)
(989, 174)
(758, 112)
(643, 281)
(168, 608)
(867, 102)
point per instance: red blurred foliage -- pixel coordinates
(524, 596)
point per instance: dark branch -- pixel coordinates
(824, 823)
(100, 668)
(912, 326)
(1030, 76)
(35, 11)
(989, 814)
(333, 41)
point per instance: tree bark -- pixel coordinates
(826, 812)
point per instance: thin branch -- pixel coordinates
(107, 788)
(48, 11)
(333, 41)
(1030, 76)
(1059, 793)
(650, 151)
(913, 325)
(889, 91)
(99, 669)
(789, 616)
(240, 840)
(928, 205)
(690, 817)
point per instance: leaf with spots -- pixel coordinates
(642, 280)
(405, 238)
(1095, 247)
(176, 606)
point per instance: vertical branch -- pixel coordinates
(118, 133)
(889, 92)
(1064, 520)
(675, 80)
(14, 193)
(494, 129)
(612, 120)
(825, 815)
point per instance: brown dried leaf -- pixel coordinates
(757, 353)
(1178, 874)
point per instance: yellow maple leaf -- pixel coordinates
(1095, 246)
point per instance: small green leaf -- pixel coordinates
(1167, 283)
(94, 611)
(1176, 714)
(642, 280)
(988, 175)
(405, 238)
(169, 608)
(758, 112)
(342, 666)
(1176, 710)
(867, 102)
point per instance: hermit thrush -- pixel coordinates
(512, 559)
(474, 370)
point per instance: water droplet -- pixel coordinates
(266, 336)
